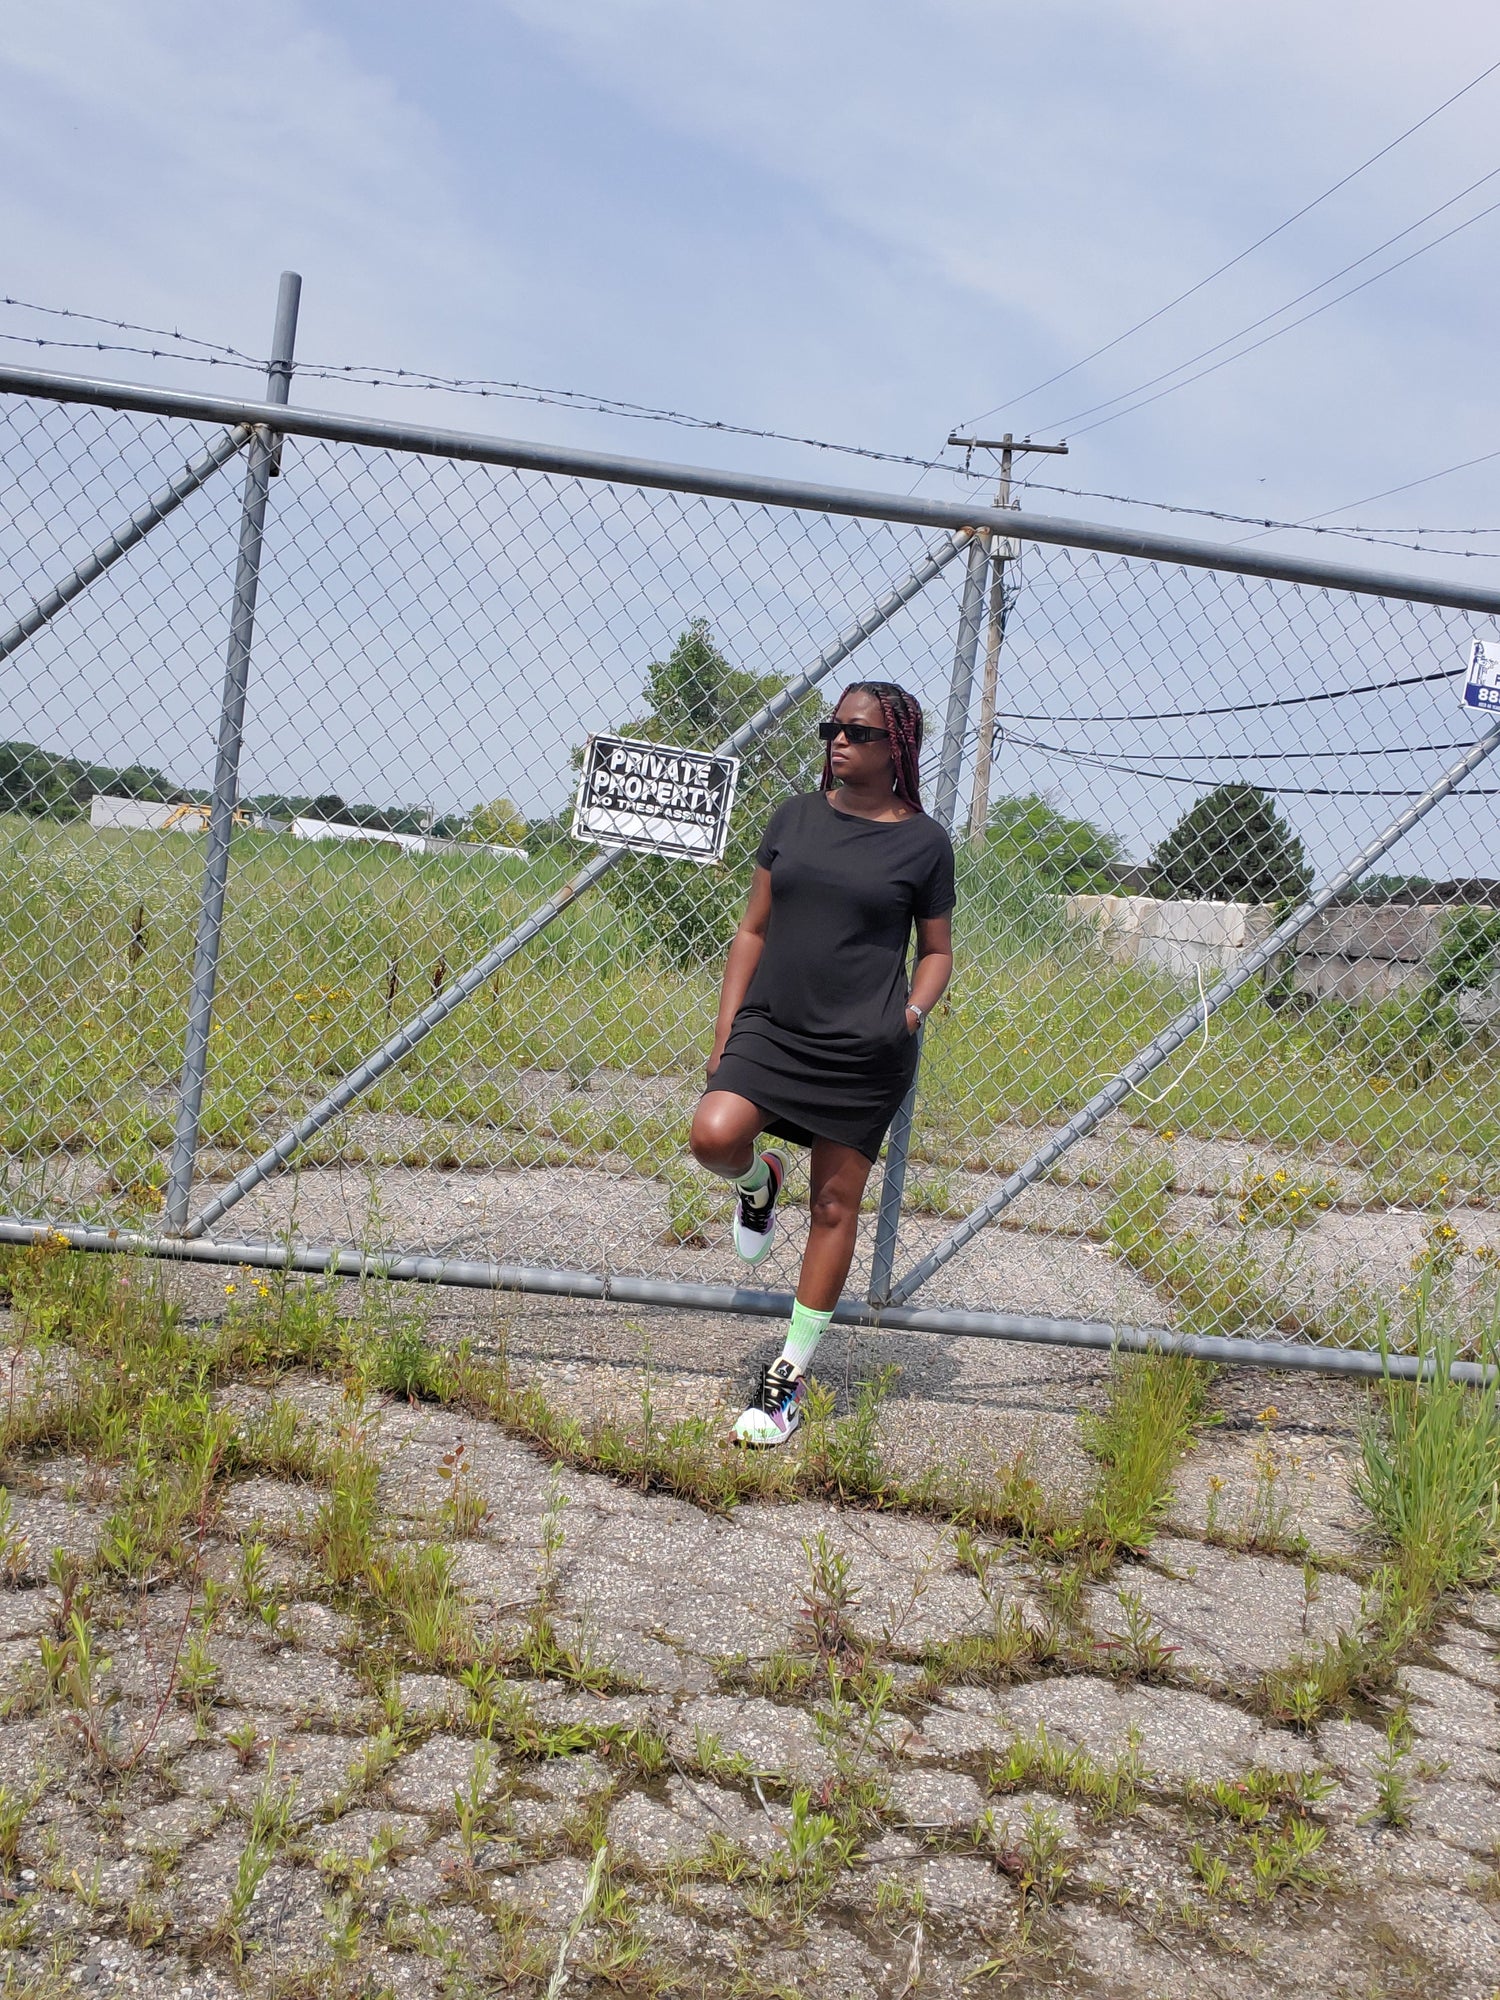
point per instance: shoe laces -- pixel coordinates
(756, 1214)
(777, 1386)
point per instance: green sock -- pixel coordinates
(804, 1334)
(755, 1179)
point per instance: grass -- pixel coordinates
(134, 1386)
(1215, 1289)
(1430, 1478)
(1105, 1787)
(326, 948)
(1155, 1404)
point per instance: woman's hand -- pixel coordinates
(713, 1059)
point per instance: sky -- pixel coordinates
(866, 223)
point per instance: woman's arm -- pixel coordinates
(744, 955)
(934, 967)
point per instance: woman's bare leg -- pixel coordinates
(838, 1181)
(725, 1129)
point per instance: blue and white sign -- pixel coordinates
(1482, 688)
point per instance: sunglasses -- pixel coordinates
(852, 732)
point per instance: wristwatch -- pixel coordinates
(920, 1012)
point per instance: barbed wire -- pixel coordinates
(239, 359)
(377, 377)
(218, 354)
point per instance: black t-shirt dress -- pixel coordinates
(821, 1043)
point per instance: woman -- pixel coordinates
(816, 1035)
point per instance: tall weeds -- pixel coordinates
(1155, 1403)
(1430, 1477)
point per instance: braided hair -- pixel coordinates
(903, 727)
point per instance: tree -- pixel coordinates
(501, 823)
(1029, 837)
(695, 698)
(45, 785)
(1233, 846)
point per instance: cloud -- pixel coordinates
(1059, 173)
(175, 156)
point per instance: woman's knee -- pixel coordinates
(833, 1208)
(718, 1140)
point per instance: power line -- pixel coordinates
(1276, 312)
(1262, 756)
(1098, 763)
(1247, 707)
(1291, 325)
(1385, 494)
(1375, 537)
(1240, 257)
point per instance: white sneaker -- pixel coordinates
(755, 1221)
(776, 1411)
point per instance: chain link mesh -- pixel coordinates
(435, 640)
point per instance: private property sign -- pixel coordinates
(655, 798)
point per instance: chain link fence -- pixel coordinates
(1167, 759)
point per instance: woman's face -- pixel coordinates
(860, 763)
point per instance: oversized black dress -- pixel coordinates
(820, 1043)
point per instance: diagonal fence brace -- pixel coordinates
(124, 539)
(1186, 1025)
(406, 1038)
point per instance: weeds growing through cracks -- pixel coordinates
(270, 1824)
(141, 1390)
(1156, 1404)
(1430, 1478)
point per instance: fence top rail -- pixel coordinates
(387, 434)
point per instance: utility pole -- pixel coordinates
(984, 753)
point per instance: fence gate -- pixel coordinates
(302, 963)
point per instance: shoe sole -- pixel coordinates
(766, 1444)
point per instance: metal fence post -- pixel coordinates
(961, 684)
(945, 809)
(1188, 1022)
(264, 452)
(400, 1045)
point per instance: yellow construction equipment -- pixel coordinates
(201, 814)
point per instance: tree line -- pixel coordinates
(1233, 844)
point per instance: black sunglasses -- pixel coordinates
(852, 732)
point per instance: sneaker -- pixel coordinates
(755, 1221)
(777, 1409)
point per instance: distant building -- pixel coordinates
(414, 843)
(140, 815)
(332, 829)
